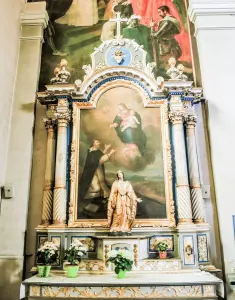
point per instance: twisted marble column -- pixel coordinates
(59, 202)
(194, 179)
(183, 192)
(47, 201)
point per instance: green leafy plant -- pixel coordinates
(47, 254)
(161, 246)
(75, 252)
(122, 259)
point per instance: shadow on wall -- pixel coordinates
(10, 278)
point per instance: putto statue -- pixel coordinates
(176, 73)
(62, 75)
(122, 206)
(172, 72)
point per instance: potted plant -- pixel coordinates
(162, 248)
(47, 255)
(73, 255)
(122, 259)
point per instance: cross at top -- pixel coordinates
(118, 20)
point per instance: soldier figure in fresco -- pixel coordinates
(166, 44)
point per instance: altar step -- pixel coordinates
(150, 265)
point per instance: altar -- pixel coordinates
(186, 285)
(122, 172)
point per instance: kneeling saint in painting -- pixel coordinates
(128, 126)
(122, 205)
(92, 183)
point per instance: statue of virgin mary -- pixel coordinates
(122, 205)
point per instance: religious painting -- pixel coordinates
(77, 27)
(121, 135)
(154, 240)
(88, 243)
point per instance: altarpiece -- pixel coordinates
(145, 127)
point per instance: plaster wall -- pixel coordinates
(215, 30)
(10, 29)
(13, 218)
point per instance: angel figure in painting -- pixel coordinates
(128, 126)
(122, 206)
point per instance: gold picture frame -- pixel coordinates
(162, 104)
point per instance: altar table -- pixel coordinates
(167, 285)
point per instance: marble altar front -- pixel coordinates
(170, 285)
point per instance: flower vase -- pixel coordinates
(43, 271)
(72, 271)
(47, 271)
(122, 274)
(162, 254)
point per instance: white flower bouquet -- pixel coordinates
(47, 254)
(75, 252)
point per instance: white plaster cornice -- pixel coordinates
(208, 15)
(32, 38)
(35, 14)
(210, 8)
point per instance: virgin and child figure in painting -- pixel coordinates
(131, 138)
(122, 205)
(128, 126)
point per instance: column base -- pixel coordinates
(185, 221)
(199, 221)
(59, 224)
(45, 223)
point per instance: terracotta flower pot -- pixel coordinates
(163, 254)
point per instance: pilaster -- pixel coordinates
(22, 123)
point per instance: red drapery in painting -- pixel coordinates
(148, 9)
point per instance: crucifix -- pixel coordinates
(118, 20)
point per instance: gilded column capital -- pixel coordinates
(63, 118)
(63, 113)
(191, 121)
(176, 117)
(49, 123)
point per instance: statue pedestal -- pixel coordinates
(138, 245)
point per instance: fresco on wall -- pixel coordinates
(124, 137)
(76, 27)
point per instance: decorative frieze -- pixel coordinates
(123, 292)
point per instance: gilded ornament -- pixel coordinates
(135, 254)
